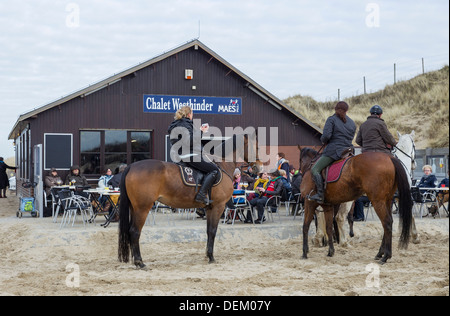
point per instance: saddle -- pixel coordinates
(193, 177)
(333, 172)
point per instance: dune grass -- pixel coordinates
(420, 104)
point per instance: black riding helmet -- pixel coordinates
(376, 109)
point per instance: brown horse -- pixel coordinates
(148, 181)
(376, 174)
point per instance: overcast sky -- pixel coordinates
(49, 49)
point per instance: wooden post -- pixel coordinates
(339, 94)
(364, 79)
(423, 66)
(394, 74)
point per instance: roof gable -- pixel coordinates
(252, 85)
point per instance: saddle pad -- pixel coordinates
(335, 170)
(191, 176)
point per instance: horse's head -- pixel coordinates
(406, 147)
(307, 155)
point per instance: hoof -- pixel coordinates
(140, 265)
(211, 260)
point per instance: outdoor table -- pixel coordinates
(96, 194)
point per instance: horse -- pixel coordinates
(376, 174)
(405, 151)
(147, 181)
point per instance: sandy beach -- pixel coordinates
(39, 258)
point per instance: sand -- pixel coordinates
(38, 258)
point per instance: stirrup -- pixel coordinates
(203, 199)
(316, 198)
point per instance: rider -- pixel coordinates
(190, 151)
(373, 135)
(338, 134)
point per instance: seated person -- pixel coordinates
(115, 180)
(274, 187)
(445, 182)
(249, 177)
(75, 178)
(296, 182)
(237, 179)
(102, 184)
(104, 179)
(428, 180)
(51, 180)
(262, 182)
(287, 188)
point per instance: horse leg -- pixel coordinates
(340, 220)
(138, 221)
(383, 211)
(212, 221)
(414, 233)
(329, 216)
(350, 220)
(320, 238)
(308, 217)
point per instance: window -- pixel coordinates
(111, 148)
(140, 146)
(115, 149)
(58, 151)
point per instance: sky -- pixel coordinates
(49, 49)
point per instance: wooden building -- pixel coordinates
(125, 118)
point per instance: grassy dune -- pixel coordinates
(420, 104)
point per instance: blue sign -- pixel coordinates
(200, 105)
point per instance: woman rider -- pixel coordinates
(189, 150)
(338, 134)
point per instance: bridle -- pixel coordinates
(411, 156)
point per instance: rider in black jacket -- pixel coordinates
(187, 147)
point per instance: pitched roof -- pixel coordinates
(252, 85)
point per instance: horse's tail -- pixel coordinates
(405, 202)
(124, 220)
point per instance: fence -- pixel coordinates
(401, 70)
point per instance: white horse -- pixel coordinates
(321, 238)
(405, 151)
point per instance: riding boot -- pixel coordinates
(208, 181)
(319, 196)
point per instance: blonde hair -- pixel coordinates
(427, 167)
(183, 112)
(282, 172)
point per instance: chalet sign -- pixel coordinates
(200, 105)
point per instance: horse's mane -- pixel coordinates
(308, 152)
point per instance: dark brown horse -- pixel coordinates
(148, 181)
(376, 174)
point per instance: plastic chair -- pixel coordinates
(56, 203)
(240, 204)
(72, 204)
(368, 206)
(273, 203)
(299, 205)
(422, 198)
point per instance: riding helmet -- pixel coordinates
(376, 109)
